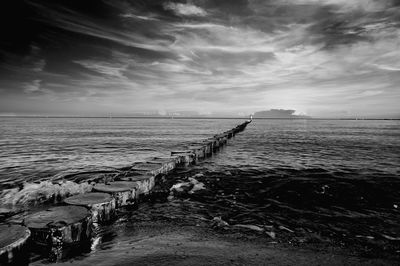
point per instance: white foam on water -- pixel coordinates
(45, 191)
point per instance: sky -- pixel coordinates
(323, 58)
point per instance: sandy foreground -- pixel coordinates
(162, 243)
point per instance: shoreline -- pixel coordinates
(171, 243)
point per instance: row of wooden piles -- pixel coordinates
(74, 222)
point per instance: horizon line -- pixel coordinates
(197, 117)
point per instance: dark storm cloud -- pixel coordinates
(126, 55)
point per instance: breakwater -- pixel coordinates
(74, 218)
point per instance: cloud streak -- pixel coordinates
(238, 56)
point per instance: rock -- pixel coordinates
(101, 205)
(123, 192)
(13, 240)
(59, 225)
(184, 188)
(181, 189)
(196, 185)
(217, 222)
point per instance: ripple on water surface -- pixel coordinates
(337, 180)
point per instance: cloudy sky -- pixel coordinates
(328, 58)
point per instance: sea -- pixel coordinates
(307, 180)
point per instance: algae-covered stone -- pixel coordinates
(101, 205)
(59, 225)
(123, 192)
(13, 240)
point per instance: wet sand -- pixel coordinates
(166, 243)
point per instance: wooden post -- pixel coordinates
(101, 205)
(59, 225)
(13, 240)
(151, 168)
(123, 192)
(199, 151)
(175, 159)
(167, 164)
(145, 183)
(185, 156)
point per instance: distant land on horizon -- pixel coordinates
(278, 113)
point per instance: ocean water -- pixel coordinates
(325, 181)
(35, 149)
(328, 181)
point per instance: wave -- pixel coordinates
(43, 192)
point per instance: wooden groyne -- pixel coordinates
(71, 223)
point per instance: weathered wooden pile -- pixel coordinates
(73, 222)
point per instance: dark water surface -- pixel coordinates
(335, 182)
(330, 181)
